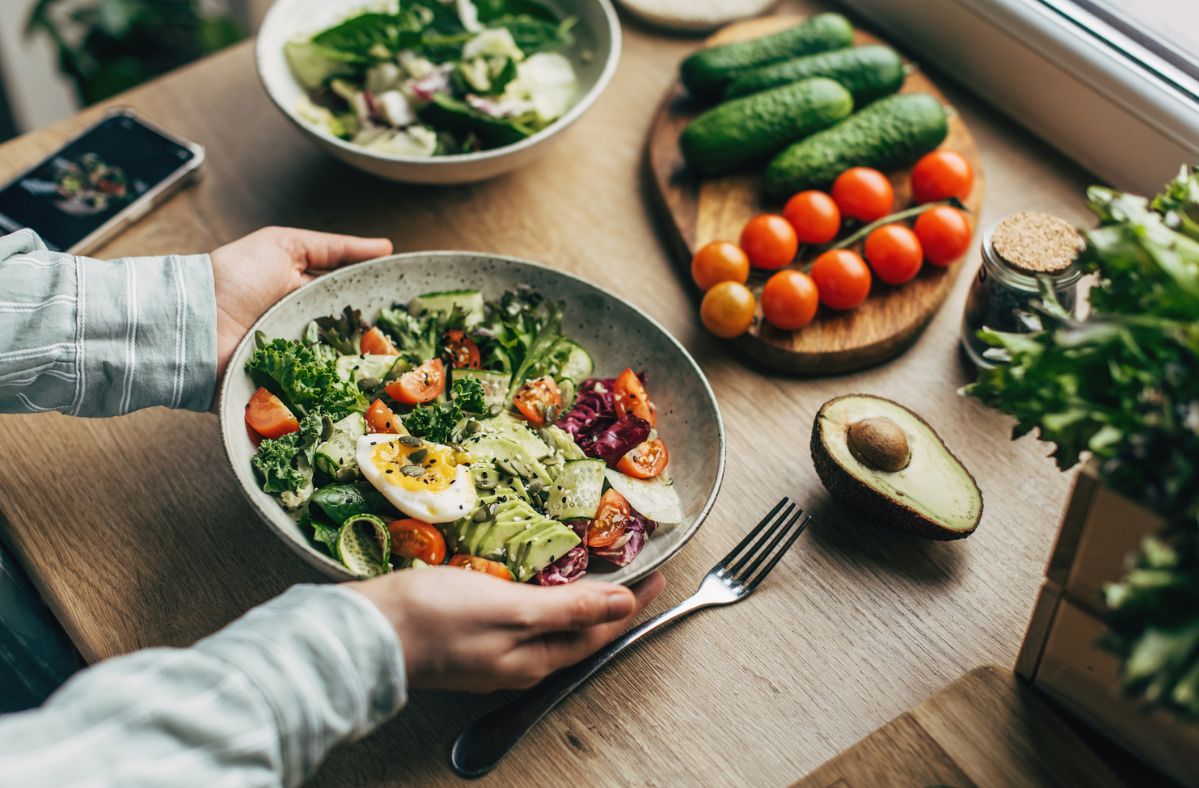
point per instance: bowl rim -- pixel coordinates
(574, 113)
(327, 564)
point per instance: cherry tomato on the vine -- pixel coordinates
(728, 309)
(769, 241)
(863, 194)
(944, 234)
(842, 278)
(894, 253)
(789, 300)
(719, 261)
(940, 175)
(814, 215)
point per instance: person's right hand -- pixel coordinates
(468, 631)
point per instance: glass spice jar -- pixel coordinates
(1015, 253)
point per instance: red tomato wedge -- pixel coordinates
(420, 385)
(377, 343)
(417, 539)
(268, 416)
(610, 521)
(473, 563)
(462, 350)
(535, 399)
(381, 418)
(645, 460)
(631, 398)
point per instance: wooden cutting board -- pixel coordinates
(716, 208)
(988, 728)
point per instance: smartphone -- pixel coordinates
(108, 177)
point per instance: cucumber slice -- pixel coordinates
(576, 492)
(364, 545)
(576, 362)
(654, 498)
(335, 457)
(495, 385)
(365, 365)
(443, 303)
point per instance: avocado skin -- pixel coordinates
(868, 73)
(892, 132)
(706, 73)
(870, 502)
(748, 129)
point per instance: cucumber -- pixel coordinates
(751, 128)
(709, 71)
(495, 385)
(364, 545)
(890, 133)
(868, 73)
(336, 456)
(365, 366)
(576, 362)
(654, 498)
(444, 302)
(576, 492)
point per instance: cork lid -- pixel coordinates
(1036, 243)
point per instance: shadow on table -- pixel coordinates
(851, 538)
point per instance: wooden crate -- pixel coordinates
(1061, 655)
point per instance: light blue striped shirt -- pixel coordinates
(259, 703)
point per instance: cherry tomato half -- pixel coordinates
(419, 385)
(769, 241)
(940, 175)
(944, 233)
(381, 418)
(268, 416)
(789, 300)
(894, 253)
(814, 215)
(462, 350)
(645, 460)
(842, 278)
(610, 521)
(719, 261)
(728, 310)
(417, 539)
(538, 399)
(630, 397)
(377, 343)
(863, 194)
(472, 563)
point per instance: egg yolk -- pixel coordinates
(427, 467)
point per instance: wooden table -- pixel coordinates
(135, 530)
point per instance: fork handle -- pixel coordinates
(484, 742)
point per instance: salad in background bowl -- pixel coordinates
(436, 91)
(537, 428)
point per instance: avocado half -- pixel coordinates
(931, 493)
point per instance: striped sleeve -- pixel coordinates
(260, 703)
(104, 337)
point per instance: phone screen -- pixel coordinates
(90, 180)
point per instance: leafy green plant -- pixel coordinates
(106, 46)
(1123, 387)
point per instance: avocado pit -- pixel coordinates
(879, 443)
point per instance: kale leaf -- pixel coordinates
(304, 377)
(284, 465)
(443, 422)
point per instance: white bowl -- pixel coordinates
(594, 55)
(615, 332)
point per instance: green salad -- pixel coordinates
(435, 78)
(457, 430)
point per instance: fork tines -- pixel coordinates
(741, 566)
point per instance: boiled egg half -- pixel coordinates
(428, 481)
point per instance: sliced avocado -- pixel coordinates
(515, 429)
(534, 549)
(512, 518)
(335, 456)
(857, 438)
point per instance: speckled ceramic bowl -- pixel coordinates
(595, 55)
(616, 333)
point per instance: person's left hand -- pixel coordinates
(252, 273)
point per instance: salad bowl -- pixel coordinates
(594, 55)
(615, 333)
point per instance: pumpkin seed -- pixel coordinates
(410, 440)
(418, 456)
(412, 470)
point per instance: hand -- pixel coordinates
(468, 631)
(252, 273)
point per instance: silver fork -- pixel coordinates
(483, 743)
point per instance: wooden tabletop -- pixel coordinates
(137, 534)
